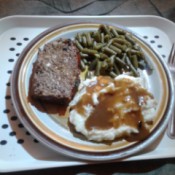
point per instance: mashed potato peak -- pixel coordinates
(106, 108)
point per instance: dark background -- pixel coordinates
(164, 8)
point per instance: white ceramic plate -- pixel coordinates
(52, 129)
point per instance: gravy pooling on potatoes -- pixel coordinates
(119, 106)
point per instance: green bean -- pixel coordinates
(85, 61)
(98, 68)
(114, 32)
(122, 36)
(97, 36)
(104, 65)
(84, 41)
(103, 56)
(121, 41)
(116, 69)
(109, 43)
(120, 31)
(94, 44)
(91, 33)
(134, 61)
(136, 47)
(102, 37)
(138, 53)
(89, 51)
(122, 47)
(132, 67)
(82, 65)
(79, 38)
(128, 38)
(115, 49)
(118, 60)
(97, 55)
(84, 55)
(105, 29)
(107, 38)
(89, 39)
(112, 74)
(80, 47)
(124, 57)
(110, 51)
(128, 51)
(85, 72)
(111, 60)
(98, 46)
(142, 56)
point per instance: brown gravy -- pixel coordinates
(46, 107)
(112, 107)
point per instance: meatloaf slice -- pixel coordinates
(55, 73)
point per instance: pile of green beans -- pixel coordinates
(109, 51)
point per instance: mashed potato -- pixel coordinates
(105, 109)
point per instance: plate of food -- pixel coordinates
(92, 91)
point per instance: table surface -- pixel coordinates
(164, 8)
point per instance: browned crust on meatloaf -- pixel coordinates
(55, 74)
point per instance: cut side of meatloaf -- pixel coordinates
(55, 74)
